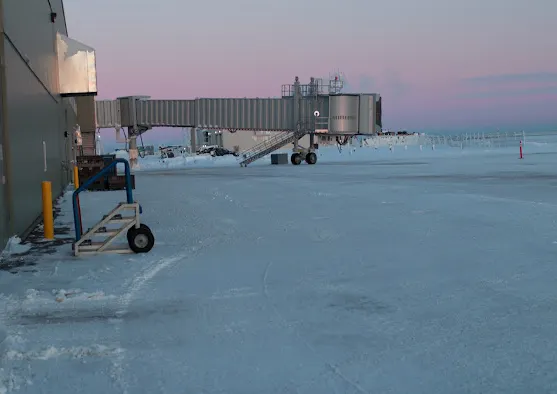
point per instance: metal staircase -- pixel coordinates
(270, 145)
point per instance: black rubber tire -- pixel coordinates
(311, 158)
(141, 240)
(296, 159)
(131, 231)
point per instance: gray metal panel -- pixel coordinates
(377, 118)
(127, 111)
(25, 95)
(366, 114)
(373, 126)
(343, 114)
(107, 114)
(28, 26)
(60, 22)
(86, 113)
(309, 106)
(244, 113)
(166, 113)
(77, 67)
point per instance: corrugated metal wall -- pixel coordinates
(166, 113)
(36, 113)
(240, 113)
(271, 114)
(107, 113)
(226, 113)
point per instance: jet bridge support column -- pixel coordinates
(193, 138)
(299, 153)
(132, 147)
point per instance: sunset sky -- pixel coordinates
(438, 64)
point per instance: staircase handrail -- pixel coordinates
(269, 141)
(272, 141)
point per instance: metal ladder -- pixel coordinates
(86, 245)
(270, 145)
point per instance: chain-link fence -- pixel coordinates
(461, 141)
(477, 140)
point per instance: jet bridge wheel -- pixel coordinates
(141, 240)
(311, 158)
(296, 159)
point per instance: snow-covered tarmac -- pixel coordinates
(371, 272)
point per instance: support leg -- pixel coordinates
(311, 156)
(193, 138)
(133, 152)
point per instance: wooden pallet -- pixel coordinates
(90, 165)
(118, 182)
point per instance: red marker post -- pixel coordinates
(521, 155)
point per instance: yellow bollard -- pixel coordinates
(48, 219)
(76, 177)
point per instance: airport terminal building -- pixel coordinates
(41, 89)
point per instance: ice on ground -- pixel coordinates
(14, 246)
(3, 336)
(423, 271)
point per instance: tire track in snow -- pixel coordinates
(133, 287)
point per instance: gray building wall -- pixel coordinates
(37, 116)
(3, 202)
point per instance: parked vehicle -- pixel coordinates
(222, 152)
(206, 149)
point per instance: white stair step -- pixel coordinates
(91, 245)
(124, 220)
(118, 249)
(107, 233)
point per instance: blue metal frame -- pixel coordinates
(89, 182)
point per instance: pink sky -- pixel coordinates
(471, 63)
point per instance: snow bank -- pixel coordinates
(3, 350)
(76, 352)
(151, 163)
(41, 302)
(14, 246)
(396, 148)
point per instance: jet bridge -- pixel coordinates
(302, 109)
